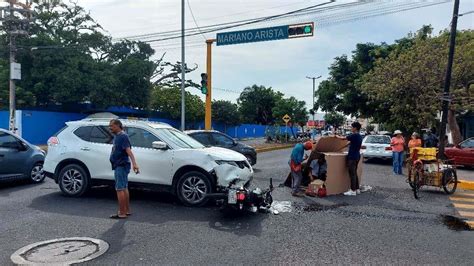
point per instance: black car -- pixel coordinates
(218, 139)
(20, 159)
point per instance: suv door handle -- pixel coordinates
(85, 149)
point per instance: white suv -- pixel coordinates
(78, 158)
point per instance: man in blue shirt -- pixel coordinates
(120, 160)
(297, 158)
(353, 158)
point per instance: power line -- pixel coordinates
(334, 19)
(297, 13)
(194, 19)
(225, 16)
(233, 23)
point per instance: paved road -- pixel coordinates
(385, 225)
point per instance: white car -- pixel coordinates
(376, 146)
(78, 158)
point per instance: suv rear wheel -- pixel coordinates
(73, 180)
(192, 188)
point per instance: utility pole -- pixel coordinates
(15, 27)
(314, 91)
(446, 98)
(183, 70)
(12, 98)
(208, 117)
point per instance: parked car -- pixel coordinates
(376, 146)
(78, 158)
(211, 138)
(20, 159)
(463, 153)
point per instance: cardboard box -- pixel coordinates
(335, 151)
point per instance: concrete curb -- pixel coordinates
(468, 185)
(274, 148)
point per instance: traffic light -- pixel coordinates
(301, 30)
(204, 83)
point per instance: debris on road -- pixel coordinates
(280, 206)
(365, 188)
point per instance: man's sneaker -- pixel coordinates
(358, 192)
(350, 193)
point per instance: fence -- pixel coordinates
(37, 126)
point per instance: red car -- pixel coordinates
(463, 153)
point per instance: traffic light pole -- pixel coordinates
(208, 118)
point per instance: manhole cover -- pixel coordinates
(61, 251)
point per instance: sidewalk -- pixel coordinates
(261, 146)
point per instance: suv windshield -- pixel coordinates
(179, 139)
(378, 140)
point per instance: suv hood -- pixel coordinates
(224, 154)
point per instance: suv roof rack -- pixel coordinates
(127, 120)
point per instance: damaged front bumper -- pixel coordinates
(233, 187)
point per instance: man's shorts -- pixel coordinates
(121, 177)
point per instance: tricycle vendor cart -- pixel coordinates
(424, 169)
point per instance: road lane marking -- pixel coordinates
(463, 206)
(466, 214)
(462, 199)
(470, 195)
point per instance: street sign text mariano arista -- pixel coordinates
(266, 34)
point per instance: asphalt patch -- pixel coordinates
(455, 223)
(316, 207)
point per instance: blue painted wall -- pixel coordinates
(38, 126)
(4, 119)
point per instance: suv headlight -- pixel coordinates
(219, 162)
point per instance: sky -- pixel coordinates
(282, 65)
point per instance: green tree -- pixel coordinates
(342, 91)
(225, 112)
(68, 59)
(334, 119)
(294, 108)
(167, 100)
(257, 103)
(411, 82)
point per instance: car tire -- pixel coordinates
(36, 174)
(73, 180)
(192, 188)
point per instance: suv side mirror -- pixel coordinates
(159, 145)
(235, 140)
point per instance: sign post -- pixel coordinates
(286, 118)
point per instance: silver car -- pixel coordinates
(20, 159)
(376, 146)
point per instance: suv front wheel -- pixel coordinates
(73, 180)
(192, 188)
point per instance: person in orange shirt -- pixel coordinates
(398, 147)
(415, 141)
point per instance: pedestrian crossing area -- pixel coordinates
(463, 202)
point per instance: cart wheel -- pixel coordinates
(411, 178)
(450, 181)
(416, 185)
